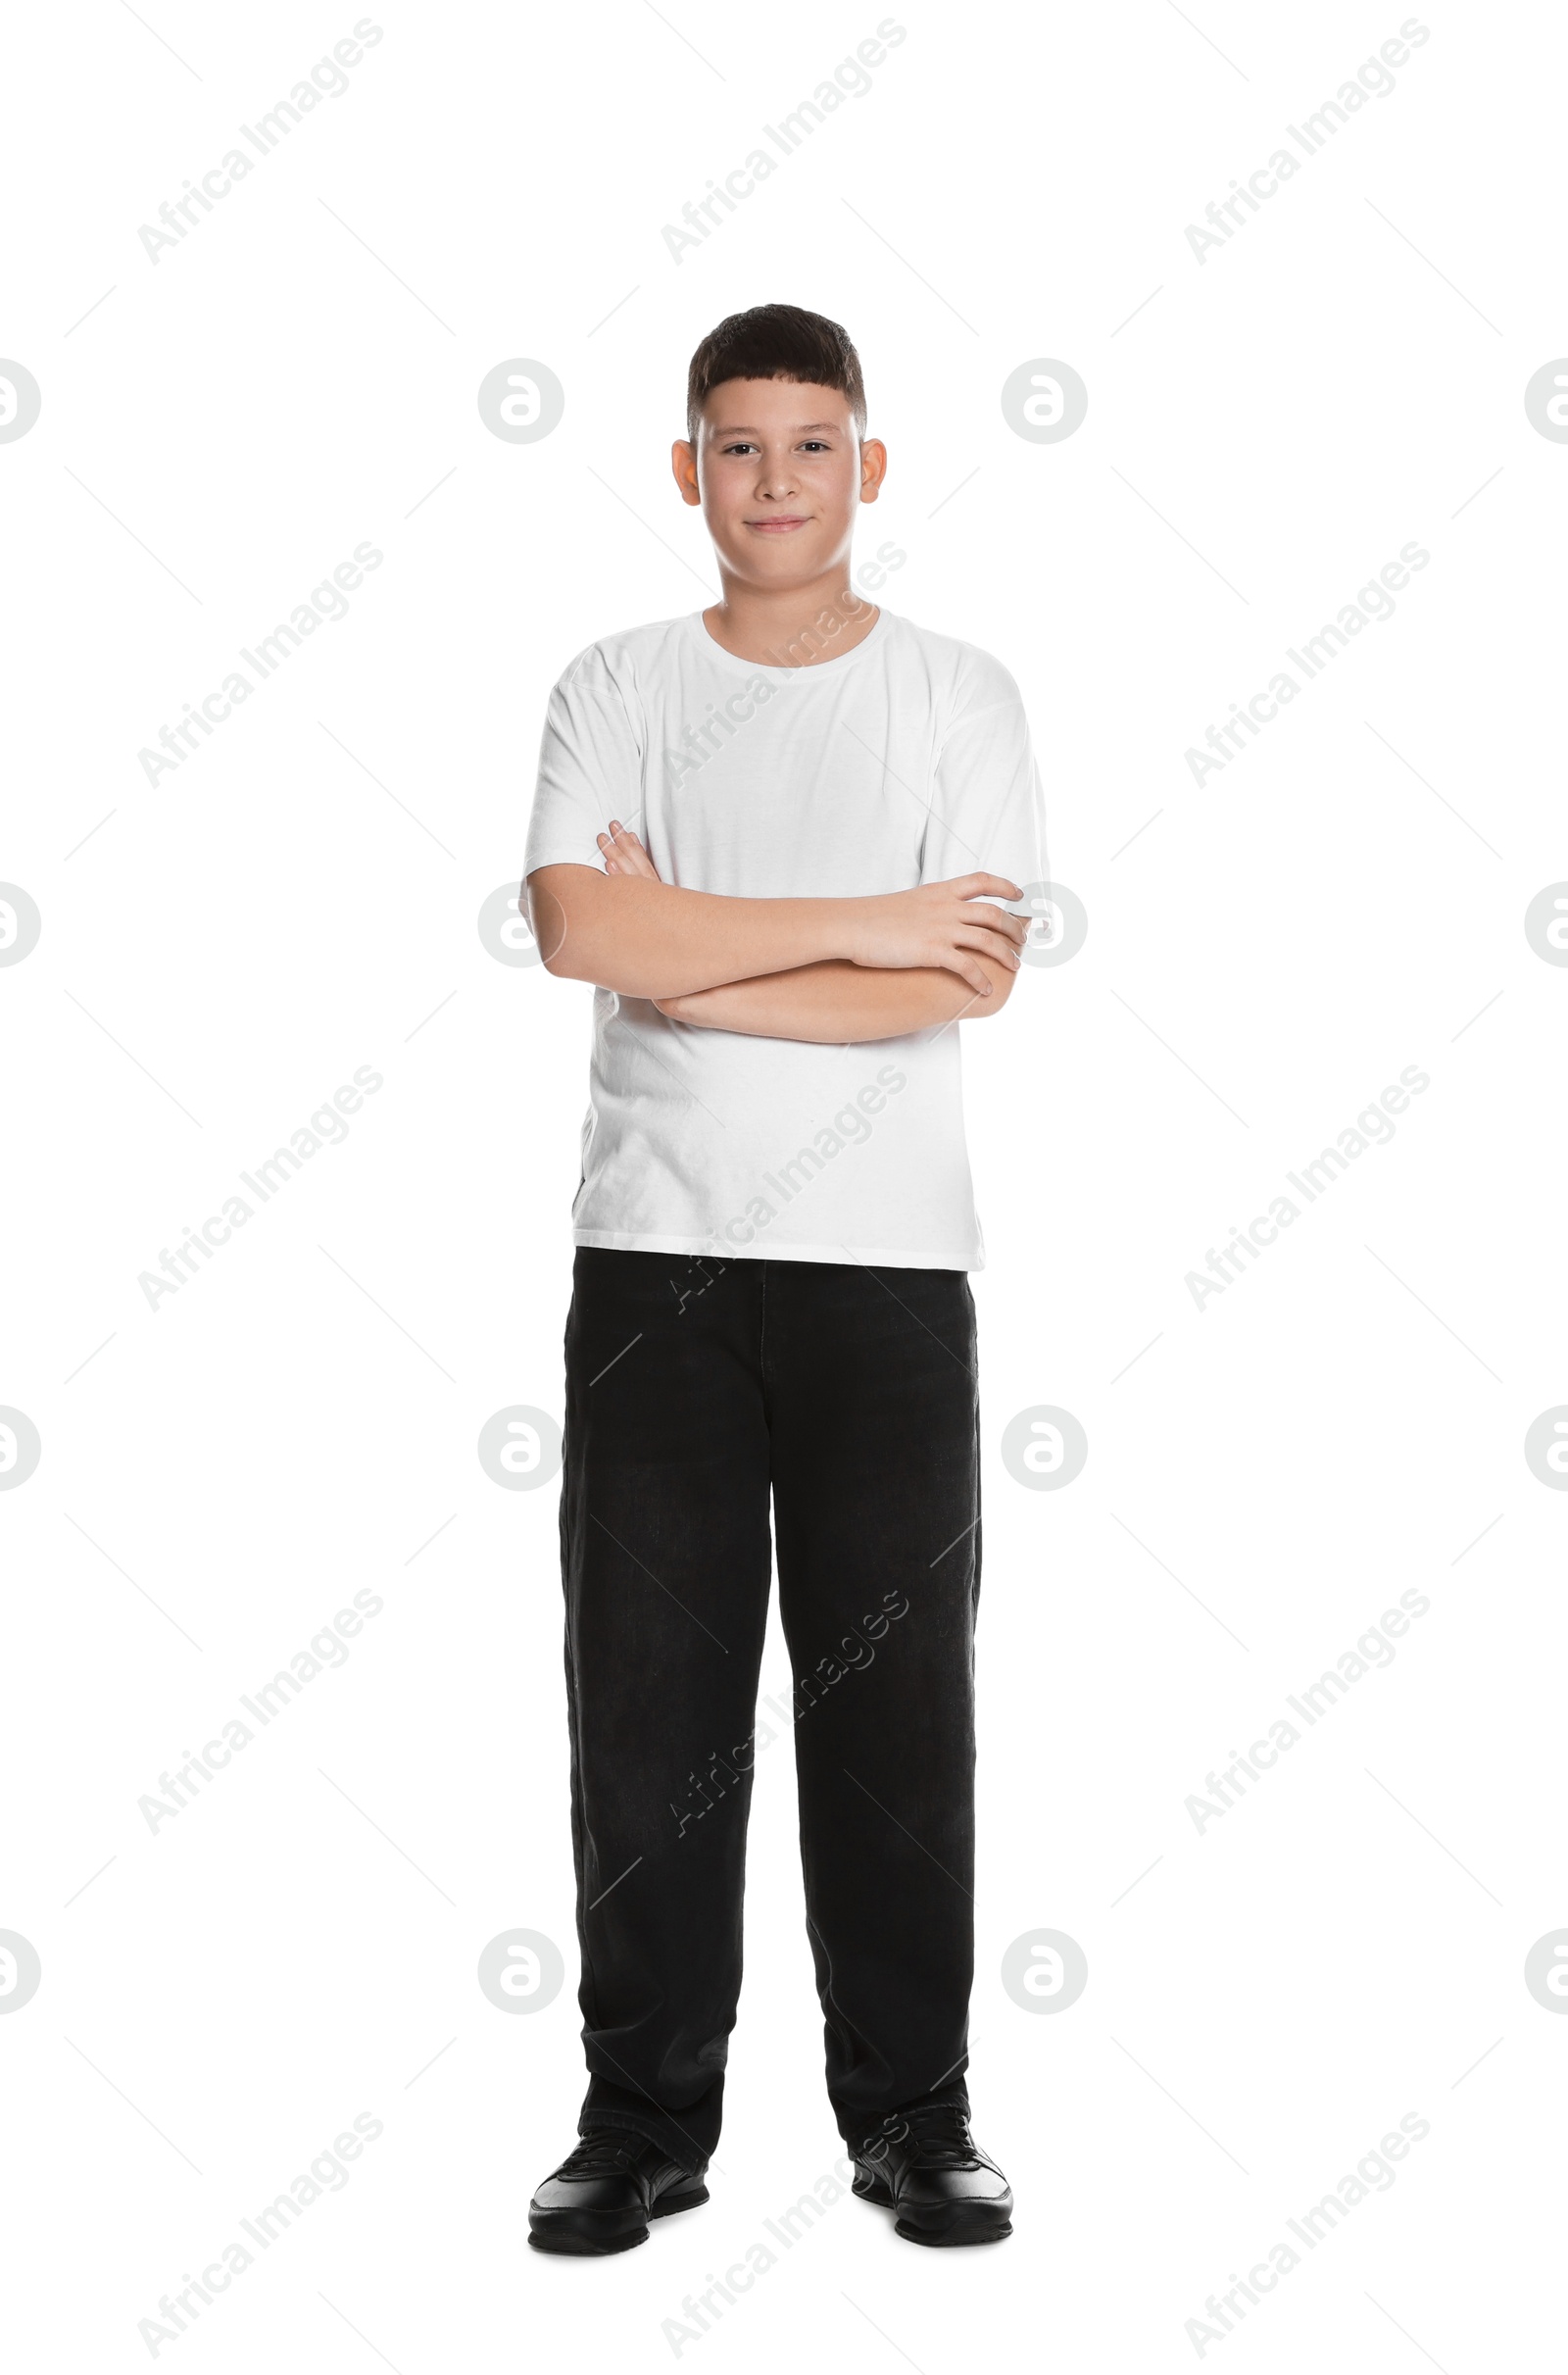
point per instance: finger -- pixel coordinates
(987, 886)
(1012, 929)
(990, 944)
(634, 857)
(978, 980)
(625, 855)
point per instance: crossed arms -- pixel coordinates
(832, 970)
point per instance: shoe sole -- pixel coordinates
(961, 2223)
(576, 2243)
(962, 2229)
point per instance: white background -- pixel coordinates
(1266, 428)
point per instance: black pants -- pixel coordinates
(694, 1388)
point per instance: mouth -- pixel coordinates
(780, 524)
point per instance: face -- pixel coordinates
(779, 470)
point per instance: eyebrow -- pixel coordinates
(742, 429)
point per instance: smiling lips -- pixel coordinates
(779, 525)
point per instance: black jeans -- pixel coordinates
(694, 1388)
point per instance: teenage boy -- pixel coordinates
(777, 835)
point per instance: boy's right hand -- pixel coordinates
(938, 925)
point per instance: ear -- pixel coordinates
(683, 462)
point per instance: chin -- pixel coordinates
(793, 570)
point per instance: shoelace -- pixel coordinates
(596, 2157)
(941, 2140)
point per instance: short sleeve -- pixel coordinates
(590, 769)
(987, 807)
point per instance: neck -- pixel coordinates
(794, 627)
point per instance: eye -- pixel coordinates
(815, 445)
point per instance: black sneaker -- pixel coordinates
(930, 2171)
(606, 2191)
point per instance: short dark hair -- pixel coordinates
(775, 342)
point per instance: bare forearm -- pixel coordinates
(835, 1003)
(654, 940)
(627, 931)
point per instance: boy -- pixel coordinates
(775, 835)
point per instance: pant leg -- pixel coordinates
(876, 1498)
(666, 1558)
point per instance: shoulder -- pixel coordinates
(964, 679)
(624, 658)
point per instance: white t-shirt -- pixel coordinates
(903, 761)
